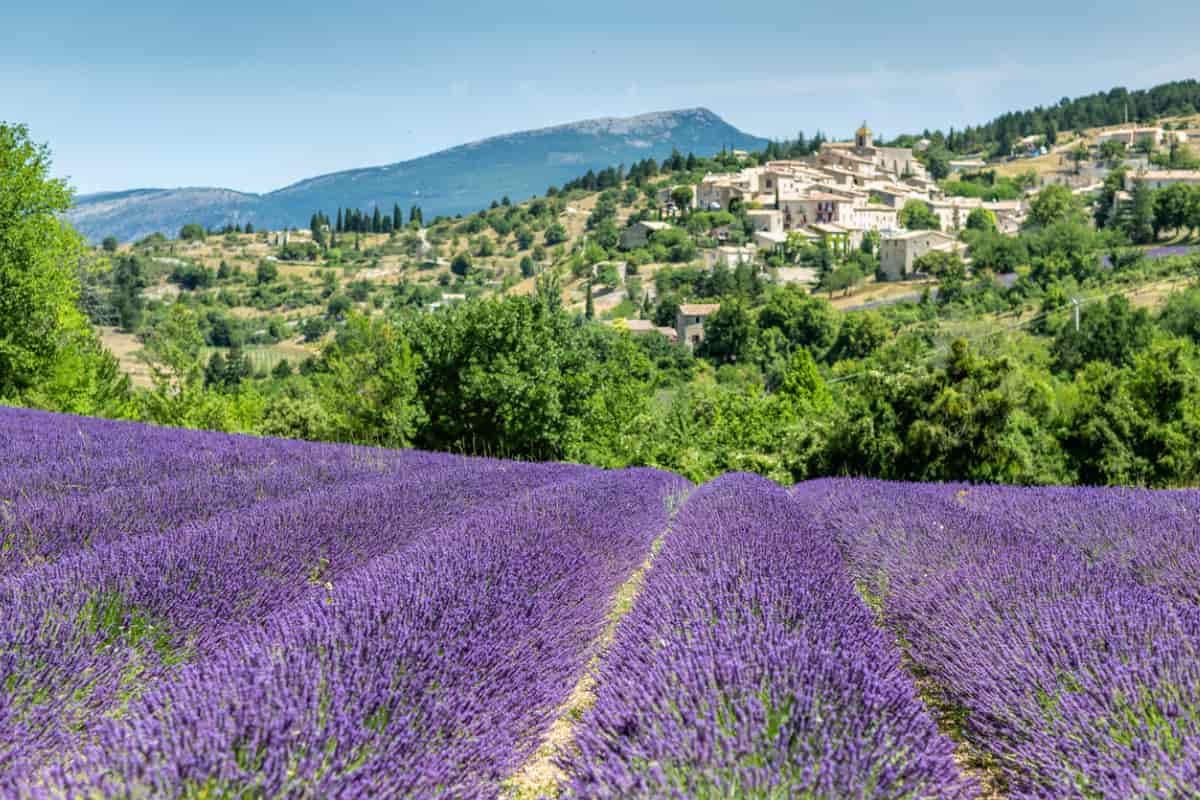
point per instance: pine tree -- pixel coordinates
(338, 229)
(376, 221)
(214, 371)
(1137, 215)
(397, 216)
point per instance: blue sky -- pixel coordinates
(255, 95)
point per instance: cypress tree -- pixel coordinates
(376, 222)
(397, 216)
(338, 229)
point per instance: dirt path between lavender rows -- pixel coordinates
(540, 776)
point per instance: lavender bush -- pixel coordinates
(749, 667)
(431, 671)
(1061, 626)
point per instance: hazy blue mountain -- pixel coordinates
(460, 180)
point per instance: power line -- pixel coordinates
(940, 352)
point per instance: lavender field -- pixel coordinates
(187, 614)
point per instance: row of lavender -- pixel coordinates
(197, 614)
(749, 667)
(279, 618)
(1060, 627)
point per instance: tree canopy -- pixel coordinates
(48, 353)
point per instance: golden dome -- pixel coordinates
(863, 131)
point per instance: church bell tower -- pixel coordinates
(863, 137)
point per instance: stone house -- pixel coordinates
(898, 250)
(729, 256)
(1161, 178)
(689, 322)
(1132, 136)
(643, 327)
(765, 220)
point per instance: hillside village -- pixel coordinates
(857, 219)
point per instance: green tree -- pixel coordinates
(1079, 154)
(803, 320)
(999, 253)
(128, 281)
(802, 383)
(518, 377)
(555, 234)
(1106, 203)
(935, 424)
(214, 371)
(193, 232)
(266, 272)
(917, 215)
(110, 244)
(369, 384)
(461, 265)
(49, 355)
(728, 333)
(1181, 314)
(844, 277)
(174, 351)
(1113, 332)
(339, 306)
(1136, 217)
(1054, 203)
(1173, 207)
(314, 328)
(981, 219)
(282, 369)
(1112, 151)
(1137, 425)
(937, 161)
(681, 196)
(861, 334)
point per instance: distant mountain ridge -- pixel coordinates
(459, 180)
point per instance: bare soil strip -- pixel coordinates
(540, 776)
(971, 761)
